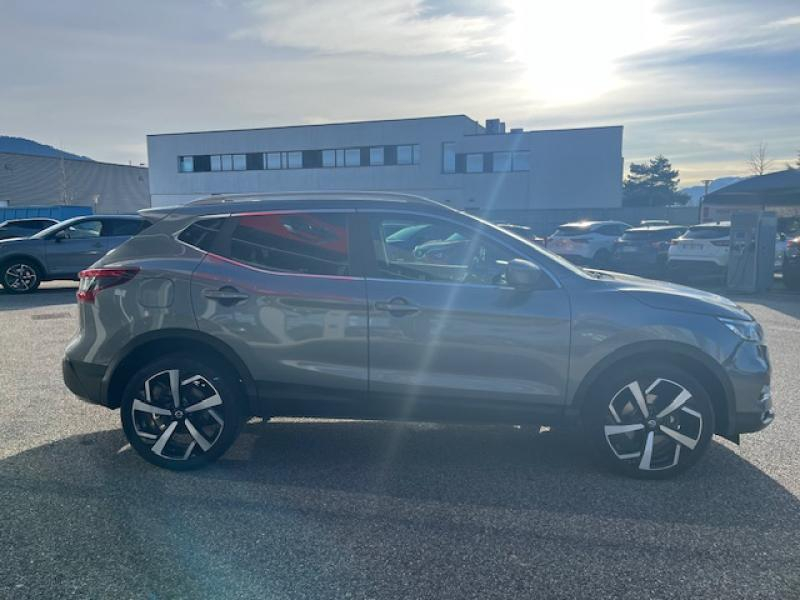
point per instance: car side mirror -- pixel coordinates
(60, 235)
(522, 274)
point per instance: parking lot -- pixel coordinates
(312, 509)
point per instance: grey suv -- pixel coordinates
(62, 250)
(299, 305)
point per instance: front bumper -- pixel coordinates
(85, 380)
(749, 372)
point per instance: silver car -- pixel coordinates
(300, 305)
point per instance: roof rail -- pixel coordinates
(311, 195)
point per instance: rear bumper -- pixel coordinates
(85, 380)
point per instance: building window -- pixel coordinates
(340, 157)
(449, 157)
(216, 163)
(501, 162)
(255, 161)
(239, 162)
(376, 155)
(475, 163)
(352, 157)
(294, 160)
(405, 155)
(227, 162)
(329, 158)
(415, 153)
(273, 160)
(521, 161)
(186, 164)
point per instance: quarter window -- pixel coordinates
(307, 243)
(203, 233)
(429, 249)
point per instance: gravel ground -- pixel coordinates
(314, 509)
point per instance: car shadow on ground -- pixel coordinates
(50, 295)
(386, 495)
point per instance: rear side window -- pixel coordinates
(124, 227)
(308, 243)
(202, 234)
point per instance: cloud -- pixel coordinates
(383, 27)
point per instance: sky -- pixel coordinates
(702, 82)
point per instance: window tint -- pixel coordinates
(707, 233)
(310, 243)
(124, 227)
(430, 249)
(84, 230)
(203, 233)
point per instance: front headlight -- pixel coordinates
(747, 330)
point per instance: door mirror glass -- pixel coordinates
(522, 274)
(60, 235)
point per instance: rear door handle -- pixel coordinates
(397, 307)
(226, 296)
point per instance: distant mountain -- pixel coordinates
(696, 191)
(18, 145)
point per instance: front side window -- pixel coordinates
(307, 243)
(84, 230)
(186, 164)
(423, 248)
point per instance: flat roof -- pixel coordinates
(462, 116)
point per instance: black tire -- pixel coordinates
(184, 429)
(20, 276)
(619, 438)
(602, 259)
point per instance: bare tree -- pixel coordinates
(758, 162)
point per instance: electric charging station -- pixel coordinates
(751, 259)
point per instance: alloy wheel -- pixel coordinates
(178, 415)
(20, 277)
(649, 424)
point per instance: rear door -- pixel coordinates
(83, 245)
(448, 338)
(279, 288)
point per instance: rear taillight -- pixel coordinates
(93, 281)
(721, 243)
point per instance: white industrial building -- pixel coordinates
(453, 159)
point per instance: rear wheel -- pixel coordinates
(650, 421)
(181, 413)
(20, 276)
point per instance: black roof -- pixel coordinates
(780, 188)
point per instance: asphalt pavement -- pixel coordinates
(316, 509)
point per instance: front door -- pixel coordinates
(448, 337)
(279, 289)
(79, 246)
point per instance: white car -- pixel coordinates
(702, 250)
(587, 242)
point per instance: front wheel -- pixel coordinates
(649, 421)
(20, 276)
(180, 413)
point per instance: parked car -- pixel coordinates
(781, 241)
(791, 264)
(653, 222)
(701, 251)
(62, 250)
(14, 228)
(523, 232)
(587, 242)
(643, 250)
(220, 311)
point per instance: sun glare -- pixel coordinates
(571, 49)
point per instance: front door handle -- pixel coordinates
(397, 307)
(227, 296)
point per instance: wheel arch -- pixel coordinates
(28, 257)
(701, 366)
(131, 357)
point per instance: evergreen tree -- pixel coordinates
(654, 183)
